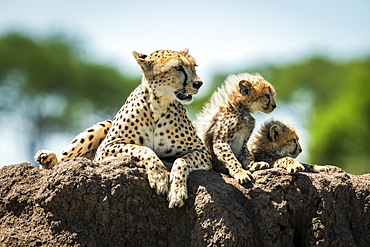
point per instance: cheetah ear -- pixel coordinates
(244, 87)
(143, 60)
(186, 50)
(274, 133)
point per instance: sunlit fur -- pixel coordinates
(153, 124)
(229, 94)
(285, 141)
(225, 123)
(277, 144)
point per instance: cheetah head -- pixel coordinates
(283, 139)
(256, 93)
(170, 75)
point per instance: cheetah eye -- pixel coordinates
(294, 141)
(268, 98)
(179, 68)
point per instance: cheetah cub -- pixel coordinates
(225, 123)
(277, 144)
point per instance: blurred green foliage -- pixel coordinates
(55, 87)
(338, 94)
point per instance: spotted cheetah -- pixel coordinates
(225, 123)
(277, 144)
(153, 124)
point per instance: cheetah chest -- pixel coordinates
(165, 130)
(241, 136)
(237, 142)
(162, 142)
(171, 138)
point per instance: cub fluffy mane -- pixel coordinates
(224, 96)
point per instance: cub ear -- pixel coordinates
(186, 50)
(244, 87)
(143, 60)
(274, 133)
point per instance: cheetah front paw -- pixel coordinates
(295, 167)
(255, 166)
(243, 176)
(46, 159)
(158, 180)
(178, 193)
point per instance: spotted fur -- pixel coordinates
(152, 124)
(225, 123)
(84, 145)
(277, 144)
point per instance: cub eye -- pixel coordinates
(178, 68)
(267, 96)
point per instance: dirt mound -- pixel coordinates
(84, 203)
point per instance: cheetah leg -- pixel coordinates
(84, 144)
(315, 168)
(226, 155)
(255, 166)
(196, 160)
(290, 164)
(155, 169)
(248, 162)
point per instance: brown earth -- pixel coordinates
(84, 203)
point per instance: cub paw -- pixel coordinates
(46, 159)
(255, 166)
(243, 176)
(295, 167)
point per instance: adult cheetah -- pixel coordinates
(153, 124)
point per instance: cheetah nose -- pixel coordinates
(197, 84)
(273, 106)
(300, 150)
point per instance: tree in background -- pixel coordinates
(340, 127)
(54, 87)
(338, 95)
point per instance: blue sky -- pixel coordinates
(221, 35)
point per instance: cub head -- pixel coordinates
(170, 74)
(256, 93)
(278, 138)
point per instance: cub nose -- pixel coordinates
(273, 106)
(197, 84)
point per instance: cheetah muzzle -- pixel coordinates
(184, 98)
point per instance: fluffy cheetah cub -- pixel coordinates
(225, 123)
(277, 144)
